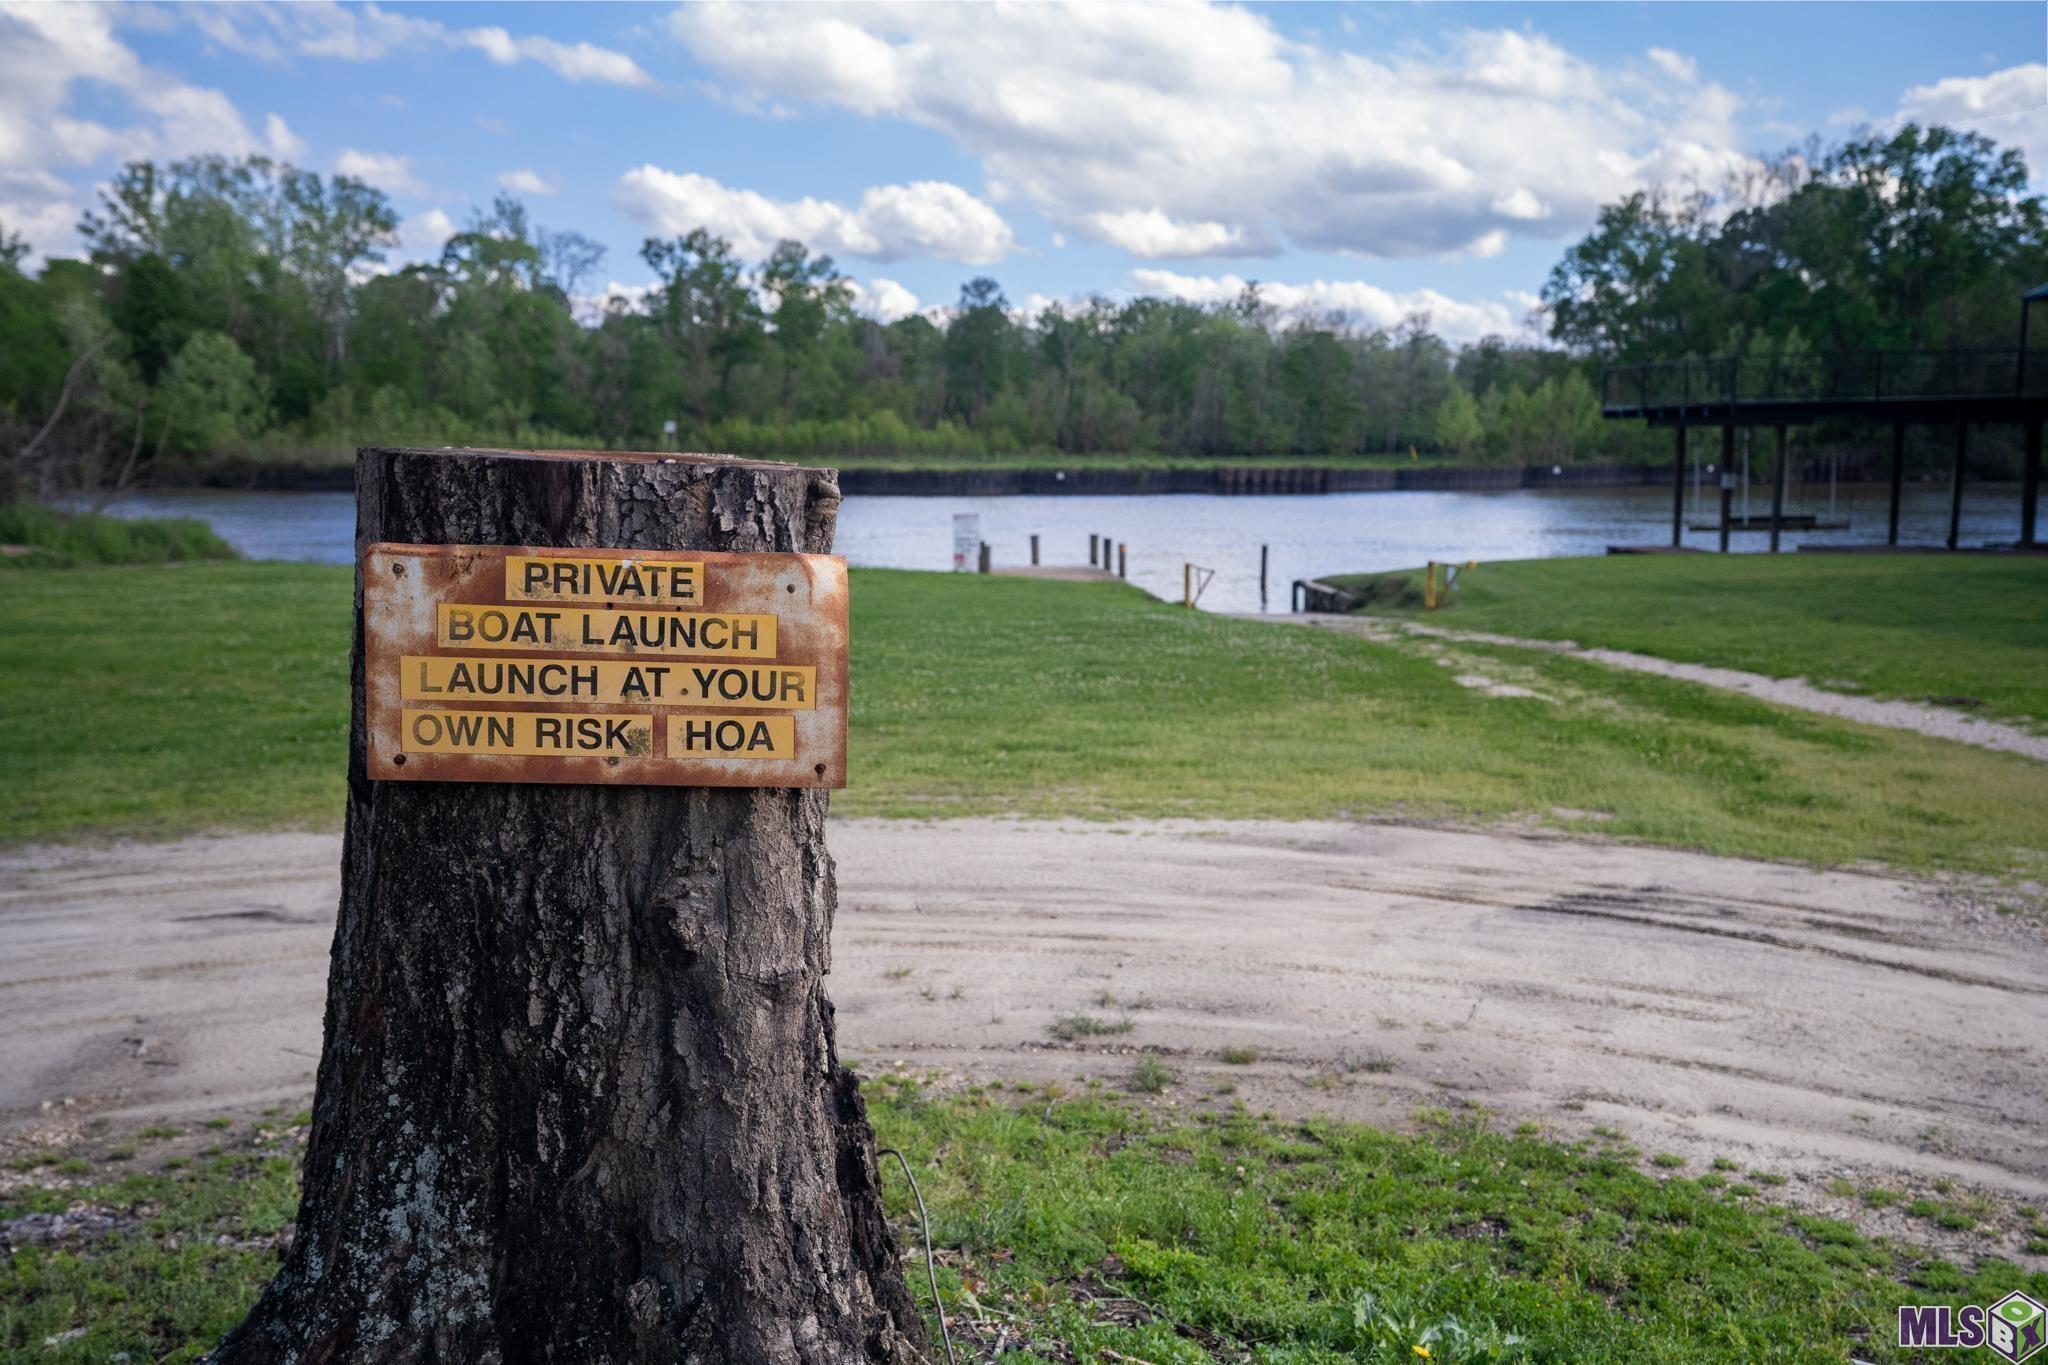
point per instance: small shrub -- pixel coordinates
(1150, 1077)
(1072, 1027)
(1239, 1056)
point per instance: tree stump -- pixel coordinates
(579, 1098)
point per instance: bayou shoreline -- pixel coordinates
(1076, 478)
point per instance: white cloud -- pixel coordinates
(47, 53)
(1520, 203)
(367, 33)
(589, 309)
(926, 218)
(571, 61)
(281, 142)
(1152, 235)
(2010, 106)
(1368, 305)
(526, 180)
(1202, 130)
(424, 234)
(38, 206)
(388, 171)
(884, 300)
(1674, 65)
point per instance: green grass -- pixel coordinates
(1969, 627)
(164, 700)
(1221, 1237)
(163, 1289)
(158, 701)
(56, 540)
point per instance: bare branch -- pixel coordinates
(63, 398)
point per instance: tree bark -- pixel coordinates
(579, 1098)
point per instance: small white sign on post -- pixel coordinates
(966, 541)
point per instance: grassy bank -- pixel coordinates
(1077, 1226)
(1963, 630)
(40, 537)
(165, 700)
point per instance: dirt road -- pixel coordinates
(1936, 722)
(1808, 1021)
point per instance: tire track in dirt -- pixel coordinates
(1780, 1015)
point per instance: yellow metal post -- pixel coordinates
(1429, 587)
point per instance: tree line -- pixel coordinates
(245, 308)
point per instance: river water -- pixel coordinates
(1307, 536)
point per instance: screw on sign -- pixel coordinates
(579, 1097)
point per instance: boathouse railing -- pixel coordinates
(1837, 376)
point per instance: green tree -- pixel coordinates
(809, 296)
(153, 309)
(212, 396)
(978, 344)
(709, 313)
(1458, 428)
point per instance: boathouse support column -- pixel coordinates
(1778, 493)
(1678, 488)
(1898, 478)
(2030, 486)
(1727, 480)
(1955, 488)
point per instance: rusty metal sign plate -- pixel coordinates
(488, 663)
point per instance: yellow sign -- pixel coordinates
(573, 578)
(581, 630)
(732, 736)
(528, 733)
(657, 668)
(456, 678)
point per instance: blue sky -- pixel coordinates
(1377, 159)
